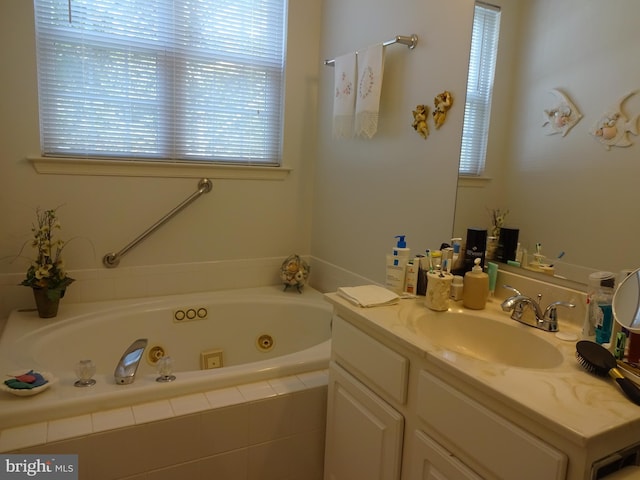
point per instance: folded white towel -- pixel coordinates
(370, 69)
(369, 295)
(344, 101)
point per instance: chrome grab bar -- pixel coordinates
(111, 260)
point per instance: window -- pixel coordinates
(477, 109)
(179, 80)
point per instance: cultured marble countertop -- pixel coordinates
(576, 404)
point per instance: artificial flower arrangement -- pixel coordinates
(47, 271)
(497, 220)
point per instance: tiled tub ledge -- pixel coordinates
(268, 430)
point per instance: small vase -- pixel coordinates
(47, 308)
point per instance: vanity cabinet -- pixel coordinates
(364, 433)
(392, 416)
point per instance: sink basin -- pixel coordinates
(488, 340)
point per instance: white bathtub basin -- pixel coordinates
(298, 326)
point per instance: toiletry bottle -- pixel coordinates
(456, 288)
(476, 288)
(423, 268)
(401, 250)
(397, 266)
(411, 277)
(633, 353)
(599, 316)
(456, 244)
(475, 247)
(492, 271)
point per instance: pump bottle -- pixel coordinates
(476, 287)
(397, 265)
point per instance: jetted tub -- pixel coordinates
(263, 333)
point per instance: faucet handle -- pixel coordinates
(514, 290)
(551, 310)
(165, 369)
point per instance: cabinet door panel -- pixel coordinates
(430, 461)
(489, 439)
(364, 434)
(370, 360)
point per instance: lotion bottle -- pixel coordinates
(401, 250)
(397, 266)
(475, 289)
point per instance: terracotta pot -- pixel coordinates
(47, 308)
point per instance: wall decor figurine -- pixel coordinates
(442, 103)
(613, 128)
(420, 120)
(563, 116)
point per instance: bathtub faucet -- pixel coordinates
(125, 372)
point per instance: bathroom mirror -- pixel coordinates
(570, 193)
(626, 302)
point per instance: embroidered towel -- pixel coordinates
(369, 295)
(344, 102)
(370, 68)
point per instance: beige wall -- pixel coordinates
(368, 191)
(240, 219)
(363, 191)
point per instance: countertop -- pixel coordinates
(566, 399)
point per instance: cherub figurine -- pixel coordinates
(420, 120)
(442, 103)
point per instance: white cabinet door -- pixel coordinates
(364, 433)
(430, 461)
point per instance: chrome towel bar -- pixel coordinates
(410, 41)
(111, 260)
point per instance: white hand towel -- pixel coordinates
(370, 69)
(344, 102)
(369, 295)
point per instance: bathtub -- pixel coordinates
(256, 334)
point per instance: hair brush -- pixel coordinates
(597, 359)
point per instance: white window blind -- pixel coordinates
(178, 80)
(477, 110)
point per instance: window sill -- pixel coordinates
(125, 168)
(468, 181)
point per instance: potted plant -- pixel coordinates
(46, 275)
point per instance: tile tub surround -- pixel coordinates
(270, 430)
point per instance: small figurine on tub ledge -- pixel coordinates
(294, 272)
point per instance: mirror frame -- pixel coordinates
(626, 302)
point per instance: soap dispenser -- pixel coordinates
(476, 287)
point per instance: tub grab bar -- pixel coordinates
(111, 260)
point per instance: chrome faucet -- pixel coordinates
(125, 372)
(528, 311)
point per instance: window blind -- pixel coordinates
(477, 110)
(178, 80)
